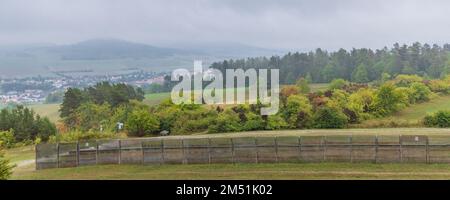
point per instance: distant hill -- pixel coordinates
(110, 49)
(107, 56)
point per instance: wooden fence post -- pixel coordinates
(376, 149)
(78, 153)
(57, 155)
(143, 152)
(120, 151)
(162, 152)
(324, 147)
(96, 152)
(276, 148)
(401, 147)
(427, 151)
(351, 147)
(300, 156)
(232, 151)
(183, 151)
(36, 152)
(256, 150)
(209, 150)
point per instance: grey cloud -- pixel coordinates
(271, 24)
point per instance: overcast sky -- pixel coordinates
(269, 24)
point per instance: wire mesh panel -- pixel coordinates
(197, 150)
(439, 149)
(88, 153)
(108, 152)
(46, 156)
(356, 148)
(221, 150)
(363, 148)
(287, 149)
(414, 148)
(312, 148)
(131, 151)
(389, 149)
(172, 151)
(245, 150)
(265, 149)
(68, 155)
(337, 148)
(152, 151)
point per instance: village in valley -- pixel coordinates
(36, 89)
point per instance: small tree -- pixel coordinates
(438, 119)
(302, 85)
(337, 84)
(360, 75)
(5, 167)
(326, 117)
(141, 122)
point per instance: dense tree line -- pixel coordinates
(343, 103)
(21, 124)
(93, 107)
(357, 65)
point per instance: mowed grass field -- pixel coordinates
(246, 171)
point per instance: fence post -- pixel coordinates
(120, 151)
(78, 153)
(401, 147)
(276, 148)
(143, 152)
(184, 160)
(57, 155)
(232, 151)
(96, 152)
(324, 146)
(256, 149)
(36, 152)
(300, 156)
(162, 152)
(427, 151)
(376, 149)
(351, 147)
(209, 150)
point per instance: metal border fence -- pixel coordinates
(359, 148)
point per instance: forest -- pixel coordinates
(357, 65)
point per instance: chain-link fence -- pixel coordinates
(377, 149)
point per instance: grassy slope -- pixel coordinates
(415, 113)
(47, 110)
(248, 171)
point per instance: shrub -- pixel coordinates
(438, 119)
(404, 80)
(74, 136)
(337, 84)
(302, 85)
(326, 117)
(439, 86)
(297, 112)
(6, 139)
(227, 121)
(275, 122)
(5, 167)
(254, 122)
(141, 122)
(420, 92)
(388, 100)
